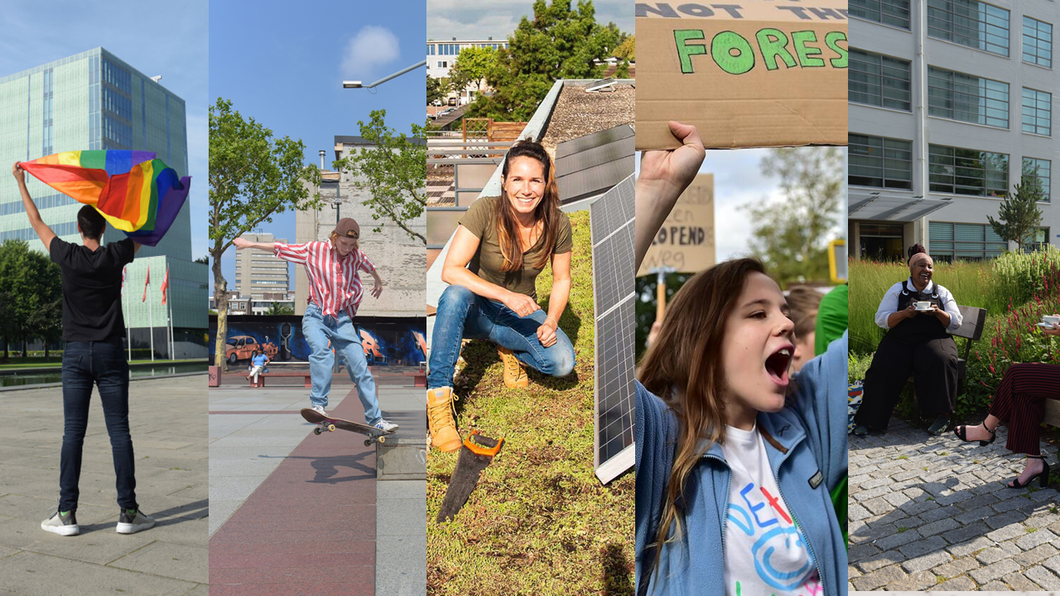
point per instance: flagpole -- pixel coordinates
(151, 320)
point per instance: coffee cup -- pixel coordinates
(923, 305)
(1052, 320)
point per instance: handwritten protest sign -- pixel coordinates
(686, 239)
(749, 73)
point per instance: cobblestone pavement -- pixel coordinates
(933, 513)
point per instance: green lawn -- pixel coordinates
(539, 521)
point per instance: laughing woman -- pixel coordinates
(919, 315)
(500, 246)
(736, 461)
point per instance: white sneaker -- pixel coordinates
(387, 427)
(133, 521)
(61, 525)
(319, 410)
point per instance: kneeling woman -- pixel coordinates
(500, 246)
(1020, 402)
(736, 461)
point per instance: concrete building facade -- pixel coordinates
(259, 274)
(94, 100)
(400, 260)
(441, 55)
(950, 106)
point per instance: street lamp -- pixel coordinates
(359, 85)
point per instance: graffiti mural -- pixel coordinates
(386, 341)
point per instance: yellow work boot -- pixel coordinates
(514, 372)
(440, 419)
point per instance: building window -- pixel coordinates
(959, 171)
(1037, 111)
(879, 162)
(966, 242)
(1037, 42)
(1037, 170)
(888, 12)
(879, 80)
(967, 98)
(1041, 240)
(974, 24)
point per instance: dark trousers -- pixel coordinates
(102, 364)
(1020, 403)
(933, 365)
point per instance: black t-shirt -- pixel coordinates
(92, 288)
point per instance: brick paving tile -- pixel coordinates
(957, 567)
(922, 547)
(994, 571)
(925, 562)
(957, 584)
(1044, 578)
(1017, 581)
(965, 533)
(880, 577)
(942, 525)
(1035, 555)
(913, 583)
(1008, 532)
(1036, 538)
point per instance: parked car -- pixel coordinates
(241, 347)
(436, 103)
(452, 101)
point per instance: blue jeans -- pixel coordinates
(462, 314)
(344, 337)
(101, 363)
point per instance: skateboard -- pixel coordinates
(330, 423)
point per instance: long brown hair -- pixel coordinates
(547, 211)
(683, 366)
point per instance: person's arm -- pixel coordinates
(294, 253)
(368, 267)
(664, 175)
(43, 231)
(455, 272)
(1055, 331)
(950, 315)
(888, 315)
(558, 298)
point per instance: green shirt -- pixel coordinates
(831, 319)
(480, 220)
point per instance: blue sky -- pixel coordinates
(168, 39)
(284, 65)
(480, 19)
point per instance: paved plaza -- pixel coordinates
(168, 425)
(297, 513)
(933, 513)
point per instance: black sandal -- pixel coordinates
(1043, 476)
(960, 432)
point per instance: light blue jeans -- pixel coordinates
(462, 314)
(340, 331)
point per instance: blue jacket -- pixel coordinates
(806, 443)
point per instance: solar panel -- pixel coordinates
(612, 222)
(601, 84)
(590, 165)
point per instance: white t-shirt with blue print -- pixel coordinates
(765, 553)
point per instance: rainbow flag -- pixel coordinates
(135, 192)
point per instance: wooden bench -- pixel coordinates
(1052, 412)
(973, 322)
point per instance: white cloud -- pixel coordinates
(370, 48)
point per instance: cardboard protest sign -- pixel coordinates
(747, 73)
(685, 242)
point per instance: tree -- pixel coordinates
(205, 260)
(31, 304)
(471, 67)
(791, 236)
(393, 170)
(558, 43)
(434, 90)
(252, 177)
(627, 48)
(1019, 215)
(277, 308)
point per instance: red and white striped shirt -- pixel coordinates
(334, 283)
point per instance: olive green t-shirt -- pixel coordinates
(488, 260)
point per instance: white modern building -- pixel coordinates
(442, 54)
(950, 106)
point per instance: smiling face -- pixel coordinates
(525, 185)
(921, 268)
(757, 351)
(344, 245)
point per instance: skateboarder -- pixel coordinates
(93, 328)
(335, 292)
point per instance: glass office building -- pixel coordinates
(94, 100)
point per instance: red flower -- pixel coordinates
(992, 371)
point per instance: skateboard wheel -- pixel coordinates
(331, 428)
(316, 431)
(367, 442)
(382, 439)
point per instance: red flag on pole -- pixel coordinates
(147, 283)
(165, 285)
